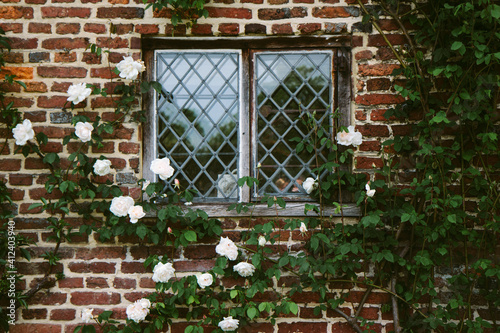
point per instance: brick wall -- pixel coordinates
(49, 40)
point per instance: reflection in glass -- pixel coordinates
(288, 85)
(198, 120)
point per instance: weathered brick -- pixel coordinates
(92, 267)
(122, 29)
(282, 29)
(378, 40)
(335, 28)
(52, 101)
(12, 27)
(309, 28)
(274, 13)
(34, 314)
(19, 178)
(54, 12)
(229, 28)
(39, 56)
(120, 12)
(36, 87)
(103, 73)
(363, 162)
(35, 28)
(10, 164)
(377, 99)
(13, 57)
(255, 28)
(123, 283)
(65, 57)
(67, 28)
(101, 253)
(302, 327)
(61, 72)
(23, 43)
(62, 314)
(377, 69)
(129, 147)
(21, 73)
(96, 282)
(88, 298)
(65, 43)
(51, 147)
(19, 102)
(15, 12)
(95, 28)
(239, 13)
(38, 328)
(112, 43)
(202, 29)
(71, 283)
(378, 84)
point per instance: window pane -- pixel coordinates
(198, 120)
(287, 87)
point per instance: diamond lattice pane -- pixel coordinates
(197, 119)
(288, 86)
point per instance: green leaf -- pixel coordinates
(251, 312)
(456, 45)
(190, 236)
(141, 231)
(294, 308)
(233, 293)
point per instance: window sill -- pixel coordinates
(262, 210)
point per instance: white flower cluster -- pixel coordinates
(310, 184)
(84, 131)
(369, 192)
(102, 167)
(163, 272)
(244, 269)
(23, 132)
(129, 68)
(78, 93)
(229, 324)
(227, 248)
(124, 205)
(303, 228)
(87, 316)
(351, 137)
(138, 310)
(205, 280)
(161, 167)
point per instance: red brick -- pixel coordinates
(122, 283)
(134, 163)
(91, 58)
(101, 253)
(53, 12)
(93, 267)
(16, 12)
(385, 53)
(12, 27)
(194, 265)
(378, 84)
(36, 2)
(282, 29)
(103, 73)
(34, 314)
(364, 55)
(133, 268)
(369, 313)
(23, 43)
(202, 29)
(309, 28)
(402, 129)
(62, 314)
(61, 72)
(65, 57)
(38, 328)
(302, 327)
(330, 12)
(129, 147)
(71, 283)
(19, 102)
(120, 12)
(48, 298)
(179, 30)
(67, 28)
(96, 282)
(10, 164)
(52, 101)
(108, 147)
(147, 29)
(19, 178)
(378, 40)
(298, 12)
(229, 28)
(122, 29)
(41, 192)
(377, 99)
(373, 130)
(112, 43)
(119, 133)
(368, 162)
(13, 58)
(274, 13)
(254, 28)
(277, 2)
(342, 328)
(36, 87)
(95, 28)
(377, 70)
(370, 146)
(52, 147)
(239, 13)
(65, 43)
(88, 298)
(39, 28)
(16, 194)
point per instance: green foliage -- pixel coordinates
(181, 10)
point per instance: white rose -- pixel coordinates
(130, 68)
(350, 137)
(369, 192)
(102, 167)
(23, 132)
(137, 312)
(135, 213)
(309, 184)
(145, 303)
(145, 185)
(78, 92)
(227, 248)
(161, 167)
(121, 205)
(84, 131)
(163, 272)
(262, 240)
(303, 227)
(87, 316)
(229, 324)
(205, 280)
(244, 269)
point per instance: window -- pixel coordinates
(232, 107)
